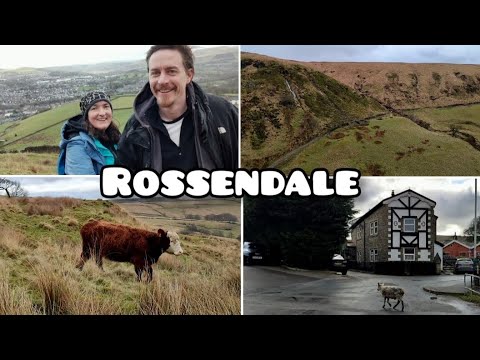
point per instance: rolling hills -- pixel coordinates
(382, 118)
(408, 85)
(285, 105)
(44, 129)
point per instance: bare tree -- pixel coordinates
(12, 188)
(470, 231)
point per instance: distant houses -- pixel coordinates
(459, 246)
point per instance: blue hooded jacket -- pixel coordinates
(84, 153)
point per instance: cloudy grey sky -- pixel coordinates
(451, 54)
(455, 197)
(83, 187)
(37, 56)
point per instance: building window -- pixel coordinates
(374, 227)
(373, 255)
(409, 254)
(359, 233)
(409, 225)
(359, 256)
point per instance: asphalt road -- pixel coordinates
(279, 291)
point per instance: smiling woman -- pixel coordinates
(89, 140)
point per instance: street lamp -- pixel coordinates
(475, 234)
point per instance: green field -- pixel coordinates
(193, 214)
(390, 147)
(44, 129)
(463, 118)
(123, 102)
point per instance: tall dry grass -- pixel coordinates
(54, 290)
(10, 204)
(180, 287)
(13, 301)
(63, 295)
(49, 206)
(28, 164)
(186, 295)
(11, 240)
(40, 254)
(200, 286)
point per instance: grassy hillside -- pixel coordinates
(40, 245)
(462, 118)
(389, 146)
(28, 164)
(406, 85)
(44, 129)
(284, 105)
(190, 216)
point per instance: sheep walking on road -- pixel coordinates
(391, 292)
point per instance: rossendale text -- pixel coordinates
(120, 182)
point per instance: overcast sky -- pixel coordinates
(451, 54)
(38, 56)
(455, 197)
(83, 187)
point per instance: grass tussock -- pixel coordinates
(54, 290)
(49, 206)
(10, 239)
(65, 202)
(71, 222)
(47, 226)
(190, 296)
(173, 264)
(13, 300)
(62, 293)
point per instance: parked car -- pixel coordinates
(339, 264)
(464, 265)
(252, 253)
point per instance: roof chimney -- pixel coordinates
(393, 193)
(455, 236)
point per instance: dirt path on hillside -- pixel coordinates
(291, 154)
(472, 141)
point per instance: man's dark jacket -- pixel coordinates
(215, 128)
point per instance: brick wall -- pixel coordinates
(456, 250)
(379, 241)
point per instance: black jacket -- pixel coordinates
(216, 133)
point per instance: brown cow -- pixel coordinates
(122, 243)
